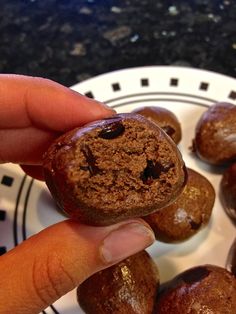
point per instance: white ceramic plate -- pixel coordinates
(26, 206)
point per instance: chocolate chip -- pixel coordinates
(153, 170)
(194, 225)
(168, 129)
(194, 275)
(91, 161)
(112, 130)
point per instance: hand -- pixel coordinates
(36, 273)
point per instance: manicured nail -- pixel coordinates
(125, 241)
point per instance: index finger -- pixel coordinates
(32, 101)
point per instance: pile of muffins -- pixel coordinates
(129, 166)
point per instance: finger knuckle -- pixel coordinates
(50, 278)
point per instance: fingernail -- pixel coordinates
(125, 241)
(102, 105)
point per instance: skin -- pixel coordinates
(59, 258)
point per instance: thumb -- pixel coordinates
(51, 263)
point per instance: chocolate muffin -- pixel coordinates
(129, 287)
(215, 135)
(203, 289)
(113, 169)
(164, 118)
(188, 214)
(228, 191)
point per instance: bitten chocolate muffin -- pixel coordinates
(215, 135)
(128, 287)
(114, 169)
(228, 191)
(164, 118)
(188, 214)
(203, 289)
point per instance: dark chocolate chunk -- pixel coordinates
(153, 171)
(112, 131)
(91, 161)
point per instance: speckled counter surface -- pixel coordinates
(70, 40)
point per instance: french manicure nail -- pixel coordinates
(127, 240)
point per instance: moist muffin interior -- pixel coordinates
(120, 164)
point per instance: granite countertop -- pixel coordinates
(70, 41)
